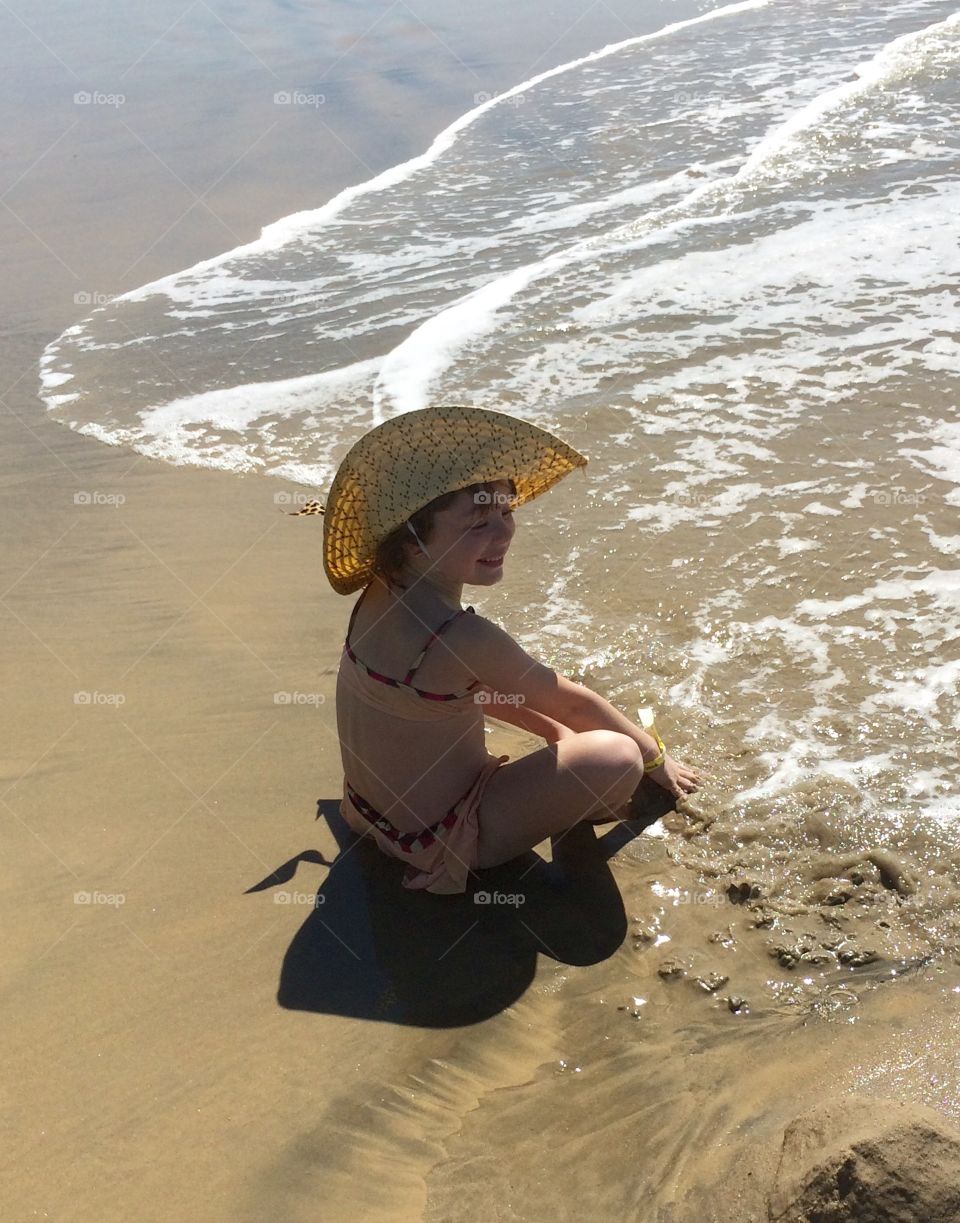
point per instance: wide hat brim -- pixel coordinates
(409, 460)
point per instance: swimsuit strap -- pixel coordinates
(431, 639)
(353, 615)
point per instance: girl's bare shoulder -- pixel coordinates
(484, 645)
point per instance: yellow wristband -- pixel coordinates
(656, 762)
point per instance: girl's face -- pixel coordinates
(471, 536)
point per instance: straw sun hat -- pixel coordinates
(401, 465)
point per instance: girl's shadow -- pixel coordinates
(372, 949)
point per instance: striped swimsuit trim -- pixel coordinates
(405, 682)
(407, 842)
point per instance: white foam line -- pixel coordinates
(236, 407)
(869, 74)
(422, 356)
(279, 232)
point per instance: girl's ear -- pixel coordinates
(416, 540)
(409, 548)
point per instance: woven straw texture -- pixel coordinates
(400, 466)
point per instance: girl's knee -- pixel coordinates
(612, 746)
(623, 749)
(610, 754)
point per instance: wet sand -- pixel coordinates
(186, 1034)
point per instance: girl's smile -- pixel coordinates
(475, 533)
(469, 542)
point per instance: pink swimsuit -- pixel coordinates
(404, 781)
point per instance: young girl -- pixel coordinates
(420, 507)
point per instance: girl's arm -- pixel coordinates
(557, 703)
(535, 690)
(587, 710)
(524, 717)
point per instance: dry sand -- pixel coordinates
(181, 1046)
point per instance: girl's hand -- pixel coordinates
(677, 778)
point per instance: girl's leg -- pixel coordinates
(549, 791)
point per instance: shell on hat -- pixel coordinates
(403, 464)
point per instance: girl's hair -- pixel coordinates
(391, 555)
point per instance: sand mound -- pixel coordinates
(874, 1161)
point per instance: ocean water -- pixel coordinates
(722, 261)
